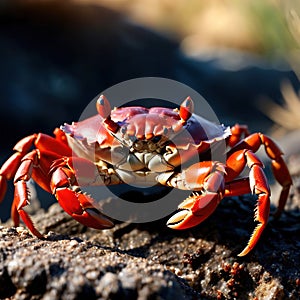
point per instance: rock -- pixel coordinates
(56, 57)
(64, 267)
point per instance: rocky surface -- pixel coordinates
(56, 56)
(66, 267)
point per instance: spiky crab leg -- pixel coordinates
(10, 167)
(257, 184)
(237, 158)
(206, 179)
(21, 195)
(280, 170)
(24, 164)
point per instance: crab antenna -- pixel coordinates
(186, 109)
(104, 109)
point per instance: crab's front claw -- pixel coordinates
(82, 208)
(194, 210)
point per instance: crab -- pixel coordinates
(145, 146)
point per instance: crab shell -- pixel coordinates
(142, 142)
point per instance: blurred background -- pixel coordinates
(56, 56)
(267, 28)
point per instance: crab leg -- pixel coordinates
(26, 164)
(33, 165)
(10, 167)
(257, 184)
(237, 131)
(41, 141)
(8, 171)
(280, 170)
(21, 196)
(207, 178)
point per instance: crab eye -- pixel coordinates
(104, 109)
(103, 106)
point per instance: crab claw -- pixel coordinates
(82, 208)
(194, 210)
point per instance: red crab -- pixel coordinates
(144, 145)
